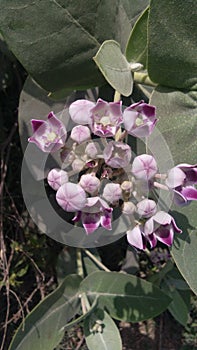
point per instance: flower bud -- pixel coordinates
(80, 133)
(112, 192)
(128, 208)
(89, 183)
(56, 178)
(146, 208)
(71, 197)
(80, 111)
(144, 167)
(127, 186)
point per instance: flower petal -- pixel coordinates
(175, 177)
(152, 239)
(106, 217)
(165, 234)
(90, 221)
(36, 124)
(179, 199)
(190, 193)
(134, 237)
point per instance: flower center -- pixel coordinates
(51, 136)
(139, 122)
(105, 120)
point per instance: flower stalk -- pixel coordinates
(93, 258)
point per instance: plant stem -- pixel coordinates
(91, 256)
(143, 78)
(85, 303)
(79, 262)
(117, 96)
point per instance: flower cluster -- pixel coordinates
(100, 173)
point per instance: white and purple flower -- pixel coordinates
(117, 154)
(160, 227)
(139, 119)
(49, 135)
(96, 212)
(181, 179)
(106, 118)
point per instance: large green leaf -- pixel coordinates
(184, 247)
(177, 114)
(114, 66)
(106, 335)
(124, 296)
(44, 326)
(136, 50)
(55, 40)
(172, 48)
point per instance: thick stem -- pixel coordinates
(143, 78)
(117, 96)
(85, 303)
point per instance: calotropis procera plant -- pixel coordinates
(101, 172)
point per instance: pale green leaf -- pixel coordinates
(124, 296)
(114, 66)
(106, 335)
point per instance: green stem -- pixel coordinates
(117, 96)
(91, 256)
(85, 303)
(143, 78)
(79, 262)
